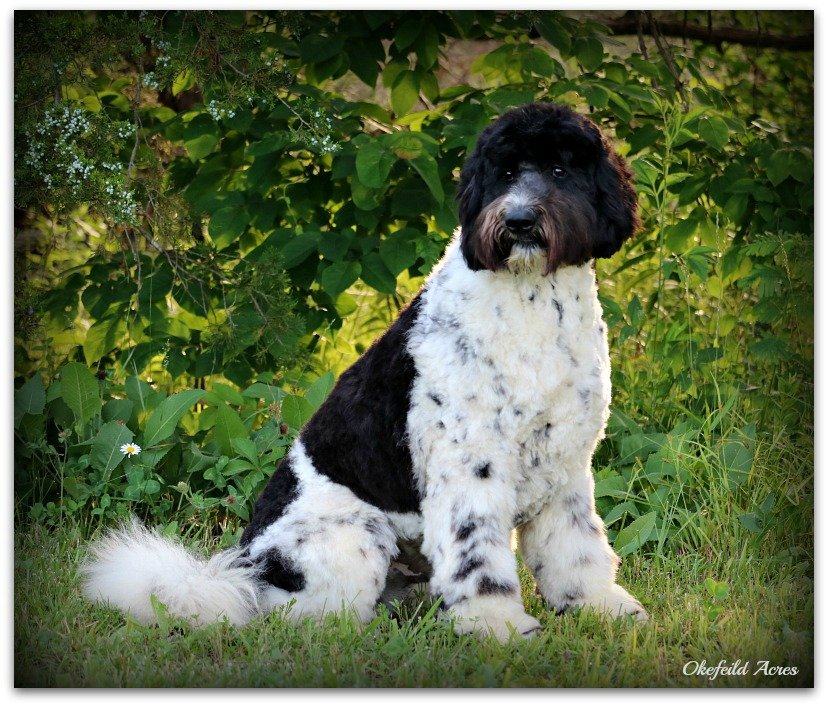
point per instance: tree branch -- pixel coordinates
(629, 24)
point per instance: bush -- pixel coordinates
(218, 203)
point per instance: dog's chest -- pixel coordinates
(510, 367)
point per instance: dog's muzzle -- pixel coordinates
(522, 222)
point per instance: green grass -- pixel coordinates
(766, 614)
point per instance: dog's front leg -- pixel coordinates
(566, 548)
(467, 516)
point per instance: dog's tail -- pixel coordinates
(131, 564)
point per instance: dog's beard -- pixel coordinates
(526, 259)
(561, 237)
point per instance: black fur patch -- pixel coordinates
(467, 565)
(465, 530)
(280, 572)
(488, 586)
(483, 471)
(280, 491)
(358, 436)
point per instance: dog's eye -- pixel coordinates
(509, 175)
(558, 172)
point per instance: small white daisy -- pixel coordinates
(130, 449)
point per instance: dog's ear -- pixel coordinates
(616, 201)
(470, 203)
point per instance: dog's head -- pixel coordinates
(544, 185)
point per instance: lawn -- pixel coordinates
(730, 604)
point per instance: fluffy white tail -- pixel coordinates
(130, 564)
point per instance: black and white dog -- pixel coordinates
(476, 413)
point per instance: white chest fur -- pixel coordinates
(512, 378)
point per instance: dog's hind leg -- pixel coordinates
(327, 551)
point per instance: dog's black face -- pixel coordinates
(542, 179)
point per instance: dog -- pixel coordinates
(476, 413)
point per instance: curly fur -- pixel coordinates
(476, 413)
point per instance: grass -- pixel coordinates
(764, 612)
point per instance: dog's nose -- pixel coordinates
(520, 221)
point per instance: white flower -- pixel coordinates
(130, 449)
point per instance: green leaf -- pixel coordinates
(714, 131)
(767, 504)
(150, 458)
(245, 447)
(613, 487)
(334, 246)
(556, 34)
(156, 284)
(272, 142)
(618, 512)
(589, 52)
(299, 248)
(375, 274)
(315, 48)
(29, 399)
(634, 535)
(789, 162)
(536, 61)
(183, 82)
(237, 465)
(699, 264)
(226, 225)
(296, 411)
(658, 468)
(736, 207)
(263, 391)
(398, 253)
(407, 33)
(234, 502)
(320, 388)
(117, 410)
(643, 137)
(105, 453)
(337, 277)
(200, 137)
(164, 418)
(677, 236)
(80, 391)
(718, 590)
(407, 145)
(750, 522)
(102, 337)
(228, 426)
(374, 162)
(405, 91)
(151, 486)
(426, 167)
(138, 391)
(224, 392)
(596, 94)
(365, 198)
(737, 460)
(364, 62)
(639, 445)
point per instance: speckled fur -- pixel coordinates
(477, 412)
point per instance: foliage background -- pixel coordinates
(216, 212)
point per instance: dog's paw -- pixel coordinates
(615, 602)
(502, 619)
